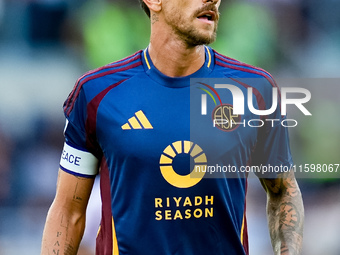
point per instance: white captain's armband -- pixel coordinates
(78, 162)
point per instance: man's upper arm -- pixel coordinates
(73, 192)
(284, 182)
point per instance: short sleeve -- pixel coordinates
(272, 151)
(78, 156)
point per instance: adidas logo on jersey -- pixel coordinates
(139, 121)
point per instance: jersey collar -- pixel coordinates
(177, 82)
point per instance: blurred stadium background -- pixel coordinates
(45, 45)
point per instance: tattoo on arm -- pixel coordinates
(289, 216)
(69, 248)
(68, 217)
(76, 198)
(56, 246)
(285, 214)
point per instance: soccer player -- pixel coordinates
(129, 121)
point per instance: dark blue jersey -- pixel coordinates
(135, 127)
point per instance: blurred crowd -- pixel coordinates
(45, 45)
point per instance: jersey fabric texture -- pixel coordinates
(134, 122)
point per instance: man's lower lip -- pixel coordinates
(206, 20)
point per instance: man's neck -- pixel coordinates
(173, 57)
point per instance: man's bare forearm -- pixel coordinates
(65, 222)
(62, 234)
(285, 214)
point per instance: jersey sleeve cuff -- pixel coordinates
(78, 162)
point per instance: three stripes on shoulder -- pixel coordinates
(138, 121)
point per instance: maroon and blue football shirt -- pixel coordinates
(134, 126)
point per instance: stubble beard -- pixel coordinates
(192, 37)
(189, 34)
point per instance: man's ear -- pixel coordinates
(154, 5)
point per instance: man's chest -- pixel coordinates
(160, 128)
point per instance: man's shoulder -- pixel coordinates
(246, 76)
(234, 68)
(105, 78)
(113, 73)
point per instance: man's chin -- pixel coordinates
(207, 37)
(204, 40)
(195, 37)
